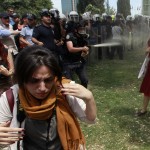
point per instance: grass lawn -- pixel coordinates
(115, 87)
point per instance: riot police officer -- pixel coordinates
(58, 27)
(76, 49)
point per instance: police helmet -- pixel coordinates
(119, 16)
(129, 18)
(96, 17)
(137, 18)
(81, 29)
(86, 16)
(62, 16)
(63, 19)
(70, 26)
(73, 16)
(104, 15)
(45, 12)
(54, 13)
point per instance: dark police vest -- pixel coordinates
(77, 41)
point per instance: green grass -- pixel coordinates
(115, 87)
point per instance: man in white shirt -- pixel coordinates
(9, 40)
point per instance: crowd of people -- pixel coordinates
(70, 37)
(40, 103)
(38, 59)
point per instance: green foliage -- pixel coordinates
(26, 6)
(123, 7)
(109, 10)
(112, 11)
(95, 5)
(93, 9)
(81, 6)
(115, 87)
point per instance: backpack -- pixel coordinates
(20, 112)
(10, 98)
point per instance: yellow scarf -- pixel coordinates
(67, 125)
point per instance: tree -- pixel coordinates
(112, 11)
(92, 9)
(123, 7)
(26, 6)
(81, 6)
(96, 4)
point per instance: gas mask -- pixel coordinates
(82, 32)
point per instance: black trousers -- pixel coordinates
(77, 67)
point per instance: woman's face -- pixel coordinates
(41, 82)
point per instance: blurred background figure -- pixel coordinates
(16, 19)
(23, 21)
(58, 27)
(26, 32)
(16, 26)
(9, 40)
(129, 32)
(62, 22)
(10, 11)
(6, 69)
(117, 33)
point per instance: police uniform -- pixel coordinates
(45, 34)
(74, 62)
